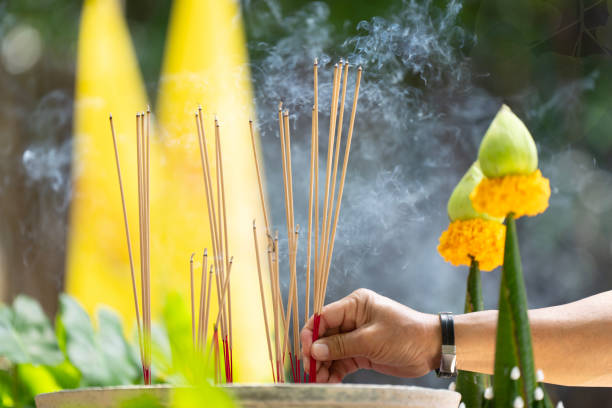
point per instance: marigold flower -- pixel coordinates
(519, 194)
(477, 238)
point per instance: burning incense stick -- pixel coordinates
(343, 177)
(327, 244)
(315, 153)
(310, 197)
(325, 223)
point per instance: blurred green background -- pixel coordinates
(436, 72)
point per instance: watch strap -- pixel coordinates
(448, 359)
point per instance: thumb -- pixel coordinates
(339, 346)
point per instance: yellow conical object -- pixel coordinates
(107, 81)
(206, 63)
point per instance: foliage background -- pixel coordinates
(435, 73)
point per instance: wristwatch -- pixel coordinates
(448, 361)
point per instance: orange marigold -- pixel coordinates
(477, 238)
(520, 194)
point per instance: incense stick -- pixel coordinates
(208, 186)
(344, 167)
(259, 183)
(142, 143)
(335, 167)
(129, 241)
(330, 147)
(201, 335)
(226, 239)
(207, 312)
(263, 300)
(310, 196)
(221, 293)
(316, 174)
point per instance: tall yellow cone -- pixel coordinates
(107, 81)
(205, 63)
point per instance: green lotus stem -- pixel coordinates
(513, 345)
(473, 297)
(469, 384)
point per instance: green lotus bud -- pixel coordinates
(507, 147)
(459, 204)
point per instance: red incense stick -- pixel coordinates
(315, 337)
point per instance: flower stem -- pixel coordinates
(471, 385)
(513, 345)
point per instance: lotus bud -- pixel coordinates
(459, 204)
(507, 147)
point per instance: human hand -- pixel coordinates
(367, 330)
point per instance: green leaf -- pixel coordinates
(469, 384)
(80, 343)
(175, 360)
(66, 375)
(114, 348)
(513, 344)
(10, 345)
(6, 389)
(26, 335)
(102, 359)
(37, 379)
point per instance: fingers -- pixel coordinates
(340, 346)
(341, 316)
(336, 371)
(333, 315)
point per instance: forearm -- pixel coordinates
(572, 343)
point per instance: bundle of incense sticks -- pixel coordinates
(143, 126)
(221, 264)
(325, 227)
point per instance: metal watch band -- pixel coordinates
(448, 360)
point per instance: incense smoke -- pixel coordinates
(420, 119)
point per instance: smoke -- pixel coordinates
(420, 119)
(47, 161)
(35, 192)
(414, 129)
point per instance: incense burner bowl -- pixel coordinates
(267, 395)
